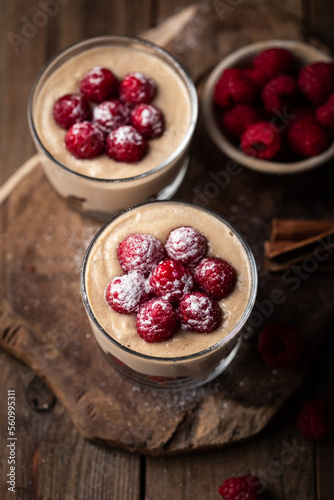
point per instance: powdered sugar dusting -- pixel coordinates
(127, 133)
(198, 313)
(126, 293)
(136, 87)
(111, 114)
(171, 280)
(151, 116)
(186, 244)
(140, 251)
(156, 321)
(96, 75)
(104, 112)
(148, 120)
(144, 79)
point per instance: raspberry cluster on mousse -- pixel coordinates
(171, 286)
(109, 116)
(250, 103)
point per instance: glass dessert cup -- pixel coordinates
(174, 372)
(97, 195)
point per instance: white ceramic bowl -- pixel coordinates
(304, 55)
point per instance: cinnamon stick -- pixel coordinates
(291, 241)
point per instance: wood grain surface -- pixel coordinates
(53, 459)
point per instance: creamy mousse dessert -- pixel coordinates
(167, 286)
(102, 181)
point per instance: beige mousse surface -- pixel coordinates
(172, 98)
(158, 219)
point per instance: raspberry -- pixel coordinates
(256, 76)
(299, 112)
(198, 313)
(315, 419)
(241, 488)
(125, 294)
(233, 87)
(98, 84)
(111, 114)
(70, 109)
(261, 140)
(137, 88)
(316, 81)
(281, 345)
(186, 245)
(325, 113)
(156, 321)
(171, 280)
(278, 93)
(140, 252)
(85, 140)
(307, 137)
(236, 119)
(125, 144)
(274, 61)
(215, 277)
(148, 121)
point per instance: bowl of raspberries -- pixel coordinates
(270, 106)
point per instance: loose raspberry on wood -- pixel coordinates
(281, 345)
(241, 488)
(315, 419)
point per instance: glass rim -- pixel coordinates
(237, 327)
(90, 42)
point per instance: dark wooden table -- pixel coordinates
(53, 460)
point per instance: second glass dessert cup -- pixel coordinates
(103, 197)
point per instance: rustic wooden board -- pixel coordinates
(44, 325)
